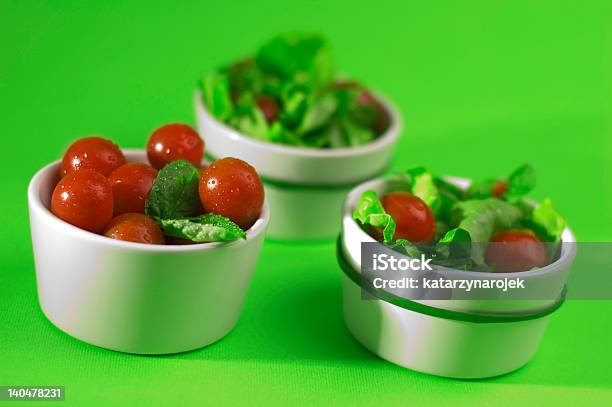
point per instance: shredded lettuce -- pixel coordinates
(546, 217)
(297, 71)
(298, 57)
(249, 119)
(216, 94)
(422, 185)
(466, 221)
(369, 211)
(481, 218)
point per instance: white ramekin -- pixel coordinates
(304, 187)
(132, 297)
(453, 338)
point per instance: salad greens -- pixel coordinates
(422, 185)
(467, 219)
(174, 202)
(287, 93)
(370, 212)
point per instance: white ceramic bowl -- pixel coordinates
(132, 297)
(305, 187)
(453, 338)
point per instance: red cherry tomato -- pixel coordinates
(84, 199)
(92, 153)
(268, 107)
(414, 220)
(174, 142)
(381, 122)
(131, 185)
(515, 250)
(499, 189)
(134, 227)
(346, 84)
(232, 188)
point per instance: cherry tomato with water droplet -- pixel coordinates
(131, 185)
(92, 153)
(174, 142)
(134, 227)
(232, 188)
(83, 198)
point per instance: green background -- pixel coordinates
(483, 87)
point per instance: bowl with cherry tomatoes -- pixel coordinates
(311, 135)
(145, 251)
(472, 230)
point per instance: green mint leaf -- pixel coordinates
(175, 192)
(369, 211)
(206, 228)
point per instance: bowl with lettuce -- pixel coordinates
(478, 233)
(310, 133)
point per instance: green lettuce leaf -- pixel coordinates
(481, 219)
(244, 76)
(205, 228)
(521, 182)
(336, 135)
(318, 113)
(369, 211)
(449, 195)
(456, 235)
(406, 247)
(175, 192)
(282, 135)
(249, 119)
(422, 185)
(294, 100)
(216, 95)
(548, 221)
(455, 244)
(298, 57)
(355, 134)
(481, 189)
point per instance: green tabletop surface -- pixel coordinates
(483, 86)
